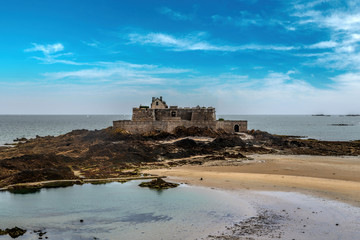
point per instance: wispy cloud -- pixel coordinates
(194, 43)
(51, 54)
(92, 43)
(175, 15)
(342, 23)
(267, 95)
(119, 73)
(46, 49)
(323, 44)
(246, 19)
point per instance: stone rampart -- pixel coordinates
(169, 126)
(232, 126)
(143, 114)
(190, 114)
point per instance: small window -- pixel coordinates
(157, 103)
(173, 114)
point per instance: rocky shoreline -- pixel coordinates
(116, 154)
(23, 188)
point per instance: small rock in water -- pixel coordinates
(13, 232)
(159, 184)
(81, 220)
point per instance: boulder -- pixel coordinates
(158, 184)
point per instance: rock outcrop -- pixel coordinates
(158, 184)
(14, 232)
(113, 153)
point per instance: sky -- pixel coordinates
(240, 56)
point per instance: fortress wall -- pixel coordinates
(161, 114)
(203, 114)
(229, 126)
(189, 114)
(184, 114)
(143, 114)
(169, 126)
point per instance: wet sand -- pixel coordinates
(330, 177)
(291, 215)
(296, 196)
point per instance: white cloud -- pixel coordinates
(342, 21)
(246, 19)
(92, 43)
(174, 14)
(275, 93)
(119, 73)
(349, 80)
(193, 43)
(46, 49)
(51, 54)
(323, 44)
(279, 93)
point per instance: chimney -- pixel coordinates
(153, 99)
(160, 98)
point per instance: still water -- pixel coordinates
(122, 211)
(317, 127)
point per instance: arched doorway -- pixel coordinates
(236, 128)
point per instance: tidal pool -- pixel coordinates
(122, 211)
(127, 211)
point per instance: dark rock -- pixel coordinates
(237, 155)
(186, 143)
(158, 184)
(230, 141)
(13, 232)
(341, 124)
(20, 139)
(106, 153)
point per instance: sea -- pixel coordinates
(330, 128)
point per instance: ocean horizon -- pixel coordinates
(321, 127)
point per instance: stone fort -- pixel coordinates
(160, 116)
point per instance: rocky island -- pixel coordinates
(115, 154)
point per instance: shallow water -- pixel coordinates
(122, 211)
(126, 211)
(309, 217)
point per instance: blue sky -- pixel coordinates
(240, 56)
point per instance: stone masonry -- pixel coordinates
(164, 118)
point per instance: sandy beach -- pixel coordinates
(331, 177)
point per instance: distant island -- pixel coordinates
(320, 115)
